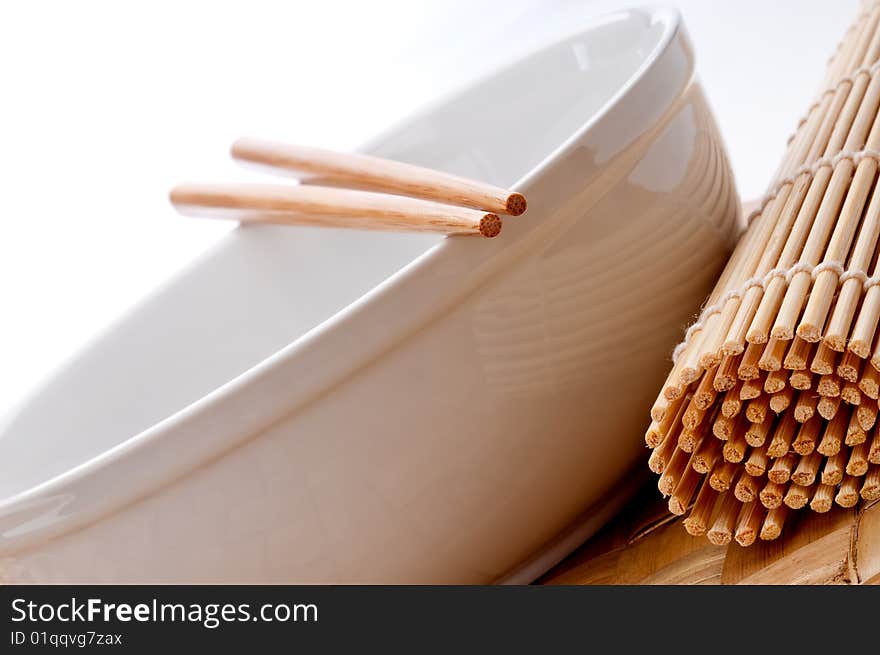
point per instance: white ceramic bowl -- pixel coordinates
(310, 405)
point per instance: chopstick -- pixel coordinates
(330, 207)
(357, 171)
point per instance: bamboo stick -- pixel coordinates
(833, 471)
(807, 469)
(326, 207)
(805, 407)
(833, 436)
(758, 408)
(773, 523)
(731, 404)
(752, 388)
(850, 366)
(673, 472)
(697, 522)
(783, 436)
(781, 470)
(865, 329)
(772, 494)
(829, 386)
(358, 171)
(855, 433)
(722, 476)
(799, 353)
(749, 524)
(706, 456)
(796, 497)
(782, 400)
(772, 355)
(850, 394)
(801, 380)
(735, 448)
(823, 498)
(874, 450)
(776, 381)
(756, 433)
(722, 528)
(871, 486)
(807, 436)
(687, 368)
(848, 493)
(858, 460)
(661, 455)
(748, 366)
(866, 415)
(723, 426)
(747, 488)
(705, 393)
(684, 491)
(693, 415)
(756, 464)
(870, 382)
(828, 406)
(824, 360)
(725, 376)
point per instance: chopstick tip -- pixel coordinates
(490, 225)
(516, 204)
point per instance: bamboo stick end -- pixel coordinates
(710, 360)
(795, 500)
(745, 538)
(836, 342)
(658, 412)
(688, 375)
(808, 332)
(694, 527)
(490, 225)
(656, 463)
(732, 349)
(781, 332)
(757, 336)
(859, 348)
(653, 436)
(820, 505)
(177, 196)
(718, 538)
(676, 506)
(846, 498)
(240, 148)
(516, 204)
(770, 532)
(673, 392)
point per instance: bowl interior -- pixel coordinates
(261, 288)
(501, 128)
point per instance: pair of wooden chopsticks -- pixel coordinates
(351, 190)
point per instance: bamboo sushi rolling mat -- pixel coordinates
(646, 544)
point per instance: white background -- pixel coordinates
(104, 105)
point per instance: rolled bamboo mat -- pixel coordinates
(772, 401)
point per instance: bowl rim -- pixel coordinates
(71, 504)
(671, 19)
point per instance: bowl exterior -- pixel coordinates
(463, 448)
